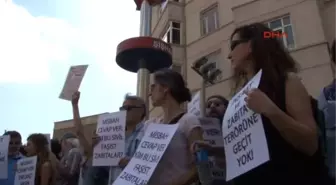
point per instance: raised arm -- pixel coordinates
(87, 147)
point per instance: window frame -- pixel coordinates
(282, 29)
(204, 19)
(169, 29)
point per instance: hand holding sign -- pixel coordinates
(259, 102)
(75, 98)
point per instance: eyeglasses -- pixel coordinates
(235, 43)
(129, 107)
(15, 143)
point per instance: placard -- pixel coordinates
(4, 143)
(151, 148)
(194, 105)
(212, 131)
(243, 134)
(25, 171)
(111, 148)
(73, 81)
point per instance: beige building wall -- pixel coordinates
(312, 23)
(67, 126)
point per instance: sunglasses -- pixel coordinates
(129, 107)
(15, 143)
(235, 43)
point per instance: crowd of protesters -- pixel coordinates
(300, 130)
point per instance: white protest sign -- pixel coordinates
(151, 148)
(212, 131)
(243, 133)
(25, 171)
(73, 81)
(4, 143)
(194, 105)
(49, 140)
(111, 130)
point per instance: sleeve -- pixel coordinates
(74, 162)
(189, 122)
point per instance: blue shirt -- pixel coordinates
(11, 172)
(131, 144)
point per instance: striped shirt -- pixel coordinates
(131, 144)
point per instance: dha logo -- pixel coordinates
(274, 34)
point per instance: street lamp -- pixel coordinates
(144, 55)
(209, 74)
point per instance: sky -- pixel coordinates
(40, 40)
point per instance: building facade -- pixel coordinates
(67, 126)
(198, 28)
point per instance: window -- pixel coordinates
(173, 34)
(209, 20)
(283, 25)
(214, 58)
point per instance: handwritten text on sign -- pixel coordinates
(194, 105)
(25, 172)
(73, 81)
(151, 149)
(243, 132)
(213, 134)
(111, 148)
(4, 142)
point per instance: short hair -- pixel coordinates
(138, 99)
(221, 98)
(74, 142)
(333, 51)
(13, 134)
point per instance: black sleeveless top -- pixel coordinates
(287, 165)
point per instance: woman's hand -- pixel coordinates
(75, 98)
(259, 102)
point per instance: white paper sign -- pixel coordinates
(151, 148)
(194, 105)
(49, 140)
(25, 171)
(243, 133)
(73, 81)
(111, 148)
(212, 131)
(4, 143)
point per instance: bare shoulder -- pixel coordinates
(46, 165)
(189, 118)
(294, 82)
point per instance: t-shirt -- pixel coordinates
(170, 167)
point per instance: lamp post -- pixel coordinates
(144, 55)
(209, 73)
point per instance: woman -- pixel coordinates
(284, 104)
(169, 92)
(37, 145)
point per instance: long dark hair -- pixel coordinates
(175, 82)
(42, 150)
(268, 54)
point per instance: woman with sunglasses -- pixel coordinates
(168, 92)
(284, 104)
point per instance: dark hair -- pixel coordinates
(175, 82)
(23, 151)
(55, 147)
(268, 54)
(333, 51)
(221, 98)
(42, 151)
(138, 99)
(12, 134)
